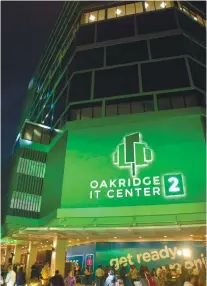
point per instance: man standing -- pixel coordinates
(99, 276)
(10, 277)
(122, 274)
(57, 280)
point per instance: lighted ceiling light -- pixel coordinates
(140, 237)
(146, 5)
(191, 235)
(195, 18)
(92, 18)
(118, 11)
(87, 237)
(165, 235)
(186, 252)
(69, 241)
(163, 5)
(115, 237)
(78, 239)
(47, 241)
(40, 242)
(179, 252)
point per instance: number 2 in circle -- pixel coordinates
(174, 184)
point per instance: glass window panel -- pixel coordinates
(149, 6)
(111, 110)
(137, 107)
(101, 15)
(186, 11)
(37, 134)
(75, 114)
(28, 132)
(111, 13)
(148, 105)
(139, 7)
(194, 16)
(191, 100)
(164, 103)
(130, 9)
(160, 5)
(200, 20)
(46, 137)
(177, 101)
(169, 4)
(93, 16)
(97, 111)
(84, 18)
(120, 11)
(86, 113)
(124, 108)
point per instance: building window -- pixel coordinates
(86, 113)
(84, 18)
(93, 16)
(149, 6)
(111, 13)
(139, 7)
(101, 15)
(37, 134)
(111, 109)
(28, 131)
(31, 168)
(120, 11)
(25, 201)
(130, 9)
(163, 102)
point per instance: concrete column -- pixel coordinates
(3, 255)
(17, 254)
(9, 250)
(31, 258)
(58, 256)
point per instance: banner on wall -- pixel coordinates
(135, 163)
(151, 254)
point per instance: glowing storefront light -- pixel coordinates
(118, 11)
(163, 5)
(92, 18)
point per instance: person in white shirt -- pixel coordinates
(10, 277)
(190, 281)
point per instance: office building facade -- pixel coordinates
(111, 143)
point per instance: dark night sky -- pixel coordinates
(25, 29)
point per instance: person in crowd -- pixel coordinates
(34, 272)
(77, 273)
(1, 280)
(111, 279)
(194, 271)
(143, 280)
(106, 271)
(148, 276)
(10, 277)
(70, 279)
(15, 268)
(57, 279)
(34, 282)
(88, 276)
(20, 278)
(202, 276)
(155, 280)
(100, 276)
(190, 281)
(133, 274)
(123, 274)
(45, 273)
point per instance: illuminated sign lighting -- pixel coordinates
(132, 154)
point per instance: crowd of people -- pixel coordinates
(104, 276)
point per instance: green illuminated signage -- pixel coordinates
(125, 165)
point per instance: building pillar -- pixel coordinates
(58, 256)
(17, 254)
(31, 258)
(8, 255)
(3, 255)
